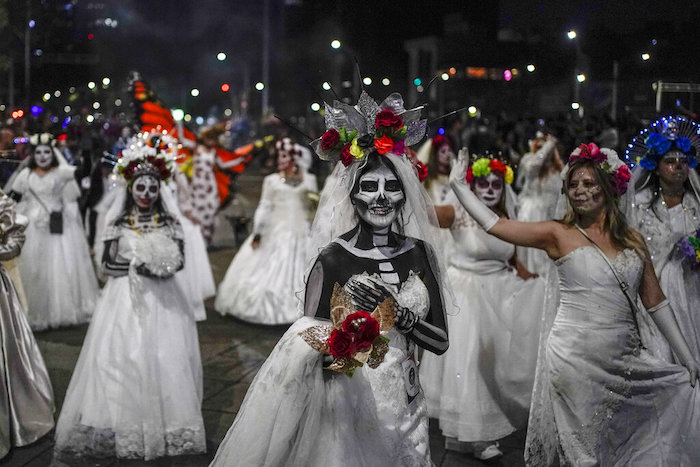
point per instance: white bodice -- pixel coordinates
(284, 207)
(49, 188)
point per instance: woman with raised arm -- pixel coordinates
(374, 256)
(600, 398)
(480, 389)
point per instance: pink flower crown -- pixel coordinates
(607, 160)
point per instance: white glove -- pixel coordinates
(481, 213)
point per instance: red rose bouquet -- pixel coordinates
(354, 337)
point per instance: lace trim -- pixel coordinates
(88, 441)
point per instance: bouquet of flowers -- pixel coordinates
(310, 200)
(354, 337)
(158, 253)
(690, 248)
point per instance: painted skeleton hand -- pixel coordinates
(368, 298)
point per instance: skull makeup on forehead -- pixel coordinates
(43, 156)
(489, 189)
(286, 151)
(145, 191)
(380, 197)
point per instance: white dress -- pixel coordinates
(261, 285)
(136, 391)
(297, 414)
(538, 202)
(604, 399)
(662, 229)
(56, 269)
(480, 388)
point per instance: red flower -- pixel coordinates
(363, 327)
(345, 157)
(341, 344)
(620, 180)
(384, 144)
(329, 139)
(439, 141)
(388, 119)
(399, 147)
(498, 166)
(422, 171)
(470, 175)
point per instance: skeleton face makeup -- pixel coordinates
(284, 160)
(489, 189)
(585, 193)
(673, 169)
(43, 156)
(145, 190)
(380, 197)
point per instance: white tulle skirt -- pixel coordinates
(262, 285)
(58, 273)
(136, 391)
(197, 276)
(480, 388)
(296, 414)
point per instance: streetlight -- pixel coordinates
(645, 56)
(335, 44)
(91, 85)
(580, 77)
(259, 86)
(178, 114)
(46, 97)
(445, 76)
(575, 105)
(315, 107)
(57, 93)
(95, 105)
(531, 68)
(472, 110)
(326, 86)
(571, 35)
(367, 80)
(221, 56)
(194, 92)
(386, 82)
(106, 81)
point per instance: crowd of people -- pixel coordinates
(496, 276)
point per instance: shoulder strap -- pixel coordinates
(31, 191)
(621, 282)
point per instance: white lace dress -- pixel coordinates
(538, 202)
(605, 400)
(662, 229)
(480, 388)
(56, 269)
(297, 414)
(261, 285)
(136, 391)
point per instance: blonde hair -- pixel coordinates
(615, 223)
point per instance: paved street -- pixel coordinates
(232, 352)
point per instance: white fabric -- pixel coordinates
(136, 391)
(261, 284)
(55, 268)
(297, 414)
(611, 402)
(480, 389)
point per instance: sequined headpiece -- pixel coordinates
(353, 132)
(665, 134)
(147, 154)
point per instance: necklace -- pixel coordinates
(132, 223)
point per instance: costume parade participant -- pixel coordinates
(437, 154)
(264, 277)
(26, 405)
(298, 411)
(664, 205)
(136, 391)
(540, 182)
(56, 253)
(602, 398)
(480, 389)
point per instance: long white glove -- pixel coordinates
(481, 213)
(666, 321)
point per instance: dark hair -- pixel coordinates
(32, 161)
(158, 207)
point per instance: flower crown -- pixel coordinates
(482, 166)
(648, 147)
(608, 161)
(148, 154)
(41, 138)
(353, 132)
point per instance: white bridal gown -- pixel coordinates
(297, 414)
(604, 400)
(261, 285)
(480, 388)
(56, 269)
(136, 391)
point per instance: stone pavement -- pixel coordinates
(232, 352)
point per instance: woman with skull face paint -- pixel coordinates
(480, 390)
(55, 265)
(261, 283)
(600, 398)
(136, 391)
(437, 154)
(664, 205)
(371, 238)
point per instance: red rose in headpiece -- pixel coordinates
(422, 171)
(388, 119)
(384, 144)
(498, 166)
(439, 141)
(470, 175)
(329, 139)
(345, 157)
